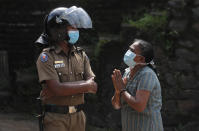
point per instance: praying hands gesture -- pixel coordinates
(119, 85)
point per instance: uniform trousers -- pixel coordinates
(65, 122)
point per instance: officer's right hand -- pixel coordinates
(92, 88)
(46, 93)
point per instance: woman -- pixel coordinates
(138, 93)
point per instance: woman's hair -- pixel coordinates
(147, 51)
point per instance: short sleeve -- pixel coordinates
(146, 82)
(45, 68)
(88, 73)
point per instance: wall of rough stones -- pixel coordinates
(21, 24)
(180, 72)
(176, 61)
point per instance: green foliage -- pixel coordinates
(99, 47)
(97, 54)
(174, 33)
(180, 127)
(136, 15)
(169, 41)
(154, 27)
(168, 45)
(151, 22)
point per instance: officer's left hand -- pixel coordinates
(46, 94)
(93, 86)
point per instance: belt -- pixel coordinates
(63, 109)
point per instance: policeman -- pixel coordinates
(64, 70)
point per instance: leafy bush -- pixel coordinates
(151, 22)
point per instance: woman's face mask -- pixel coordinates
(129, 58)
(73, 36)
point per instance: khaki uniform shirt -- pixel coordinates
(54, 64)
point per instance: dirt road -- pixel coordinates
(24, 122)
(18, 122)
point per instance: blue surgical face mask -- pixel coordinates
(129, 58)
(73, 36)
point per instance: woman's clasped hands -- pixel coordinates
(118, 83)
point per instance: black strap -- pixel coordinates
(61, 109)
(123, 90)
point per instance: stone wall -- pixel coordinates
(180, 71)
(176, 57)
(176, 51)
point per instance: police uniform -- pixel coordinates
(54, 64)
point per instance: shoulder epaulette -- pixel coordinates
(80, 49)
(48, 49)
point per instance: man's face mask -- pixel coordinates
(73, 36)
(129, 58)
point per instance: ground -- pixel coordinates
(24, 122)
(18, 122)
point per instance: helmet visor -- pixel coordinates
(77, 17)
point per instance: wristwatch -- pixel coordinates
(124, 89)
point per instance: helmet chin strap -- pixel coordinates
(67, 39)
(68, 44)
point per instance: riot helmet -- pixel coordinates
(56, 22)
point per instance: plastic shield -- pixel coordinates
(77, 17)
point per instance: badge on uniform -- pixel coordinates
(44, 57)
(59, 64)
